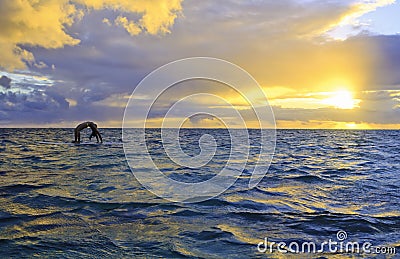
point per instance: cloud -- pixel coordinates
(33, 23)
(357, 9)
(260, 36)
(378, 107)
(281, 43)
(385, 71)
(35, 101)
(203, 120)
(31, 98)
(45, 24)
(157, 16)
(5, 82)
(131, 27)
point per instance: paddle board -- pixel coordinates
(81, 143)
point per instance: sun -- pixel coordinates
(342, 99)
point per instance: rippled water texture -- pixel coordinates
(82, 201)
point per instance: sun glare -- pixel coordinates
(351, 125)
(342, 99)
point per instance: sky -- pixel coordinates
(322, 64)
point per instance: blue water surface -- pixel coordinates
(74, 201)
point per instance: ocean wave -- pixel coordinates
(83, 201)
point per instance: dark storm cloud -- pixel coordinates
(5, 82)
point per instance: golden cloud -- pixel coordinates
(34, 23)
(157, 15)
(131, 27)
(43, 23)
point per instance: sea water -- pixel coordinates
(79, 201)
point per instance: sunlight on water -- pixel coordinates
(83, 201)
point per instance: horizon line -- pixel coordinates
(206, 128)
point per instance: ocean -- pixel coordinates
(82, 201)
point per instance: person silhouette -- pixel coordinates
(84, 125)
